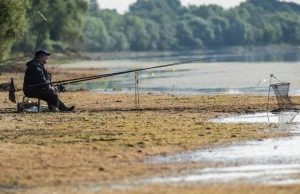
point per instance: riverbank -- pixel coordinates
(106, 139)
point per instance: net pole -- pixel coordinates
(135, 90)
(271, 75)
(137, 101)
(138, 89)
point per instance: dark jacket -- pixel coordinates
(35, 74)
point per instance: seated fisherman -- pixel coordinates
(36, 73)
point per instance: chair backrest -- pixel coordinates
(281, 91)
(12, 90)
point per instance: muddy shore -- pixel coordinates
(106, 139)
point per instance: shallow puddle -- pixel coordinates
(270, 151)
(264, 117)
(270, 161)
(259, 174)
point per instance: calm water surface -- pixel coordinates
(227, 73)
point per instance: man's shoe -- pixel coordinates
(69, 108)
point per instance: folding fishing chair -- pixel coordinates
(22, 106)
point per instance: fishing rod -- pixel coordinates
(14, 59)
(76, 80)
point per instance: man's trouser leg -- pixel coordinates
(52, 99)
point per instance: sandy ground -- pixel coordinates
(106, 139)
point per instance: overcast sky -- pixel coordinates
(122, 5)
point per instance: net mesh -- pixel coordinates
(281, 91)
(286, 118)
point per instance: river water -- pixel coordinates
(246, 72)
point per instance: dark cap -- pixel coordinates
(42, 52)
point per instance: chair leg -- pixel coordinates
(39, 105)
(23, 104)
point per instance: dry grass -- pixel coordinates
(106, 139)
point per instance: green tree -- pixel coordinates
(269, 34)
(202, 29)
(62, 30)
(13, 23)
(65, 23)
(112, 20)
(93, 6)
(239, 33)
(119, 42)
(152, 29)
(147, 9)
(207, 11)
(96, 35)
(185, 37)
(136, 32)
(220, 26)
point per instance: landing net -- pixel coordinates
(281, 91)
(287, 110)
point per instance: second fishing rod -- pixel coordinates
(76, 80)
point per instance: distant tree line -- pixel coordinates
(149, 25)
(166, 25)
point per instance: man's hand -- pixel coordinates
(61, 88)
(53, 89)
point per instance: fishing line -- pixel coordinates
(42, 16)
(38, 12)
